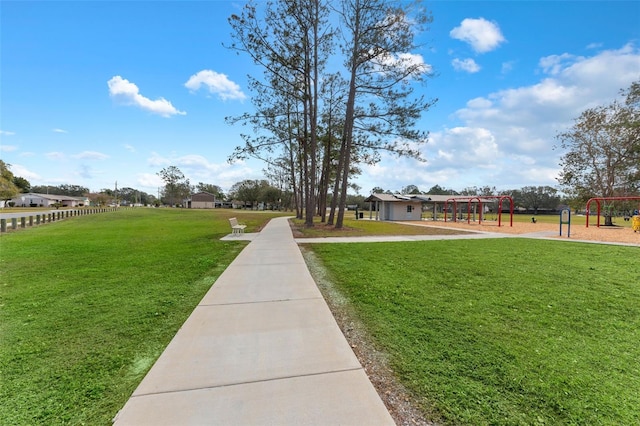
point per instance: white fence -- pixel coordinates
(29, 220)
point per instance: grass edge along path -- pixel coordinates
(502, 332)
(360, 228)
(88, 304)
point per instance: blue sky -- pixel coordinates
(97, 92)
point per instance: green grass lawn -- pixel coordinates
(358, 228)
(88, 304)
(355, 228)
(507, 331)
(502, 332)
(576, 220)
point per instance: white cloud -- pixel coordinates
(6, 133)
(553, 64)
(55, 155)
(156, 160)
(20, 170)
(506, 138)
(474, 156)
(601, 73)
(150, 180)
(507, 67)
(523, 121)
(574, 84)
(59, 130)
(479, 103)
(91, 155)
(463, 147)
(395, 173)
(8, 148)
(129, 148)
(468, 65)
(483, 36)
(404, 61)
(216, 83)
(198, 168)
(196, 162)
(124, 91)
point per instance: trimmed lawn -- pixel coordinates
(359, 228)
(502, 332)
(576, 220)
(507, 331)
(88, 304)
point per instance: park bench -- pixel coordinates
(236, 227)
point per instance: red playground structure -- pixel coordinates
(599, 200)
(479, 200)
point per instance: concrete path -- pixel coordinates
(261, 348)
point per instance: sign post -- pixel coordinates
(565, 217)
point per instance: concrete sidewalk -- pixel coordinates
(261, 348)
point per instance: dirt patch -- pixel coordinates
(321, 227)
(612, 234)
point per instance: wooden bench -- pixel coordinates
(236, 227)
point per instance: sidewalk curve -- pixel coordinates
(262, 347)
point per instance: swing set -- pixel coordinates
(601, 205)
(479, 200)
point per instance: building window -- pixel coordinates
(409, 209)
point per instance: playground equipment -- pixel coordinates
(599, 207)
(636, 223)
(565, 218)
(479, 201)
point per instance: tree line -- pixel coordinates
(531, 198)
(11, 186)
(250, 192)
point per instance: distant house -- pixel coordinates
(202, 200)
(394, 207)
(31, 199)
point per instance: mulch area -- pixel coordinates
(613, 234)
